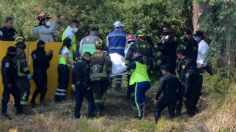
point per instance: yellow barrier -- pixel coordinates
(52, 71)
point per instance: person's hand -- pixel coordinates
(73, 87)
(50, 52)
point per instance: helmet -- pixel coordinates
(130, 38)
(140, 33)
(42, 16)
(138, 57)
(19, 40)
(99, 44)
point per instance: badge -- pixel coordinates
(34, 56)
(1, 34)
(7, 65)
(187, 75)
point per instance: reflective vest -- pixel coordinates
(73, 40)
(117, 42)
(62, 59)
(139, 74)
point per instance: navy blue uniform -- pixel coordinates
(167, 95)
(41, 62)
(7, 34)
(191, 49)
(82, 82)
(9, 75)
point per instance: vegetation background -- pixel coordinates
(217, 17)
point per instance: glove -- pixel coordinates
(73, 87)
(29, 77)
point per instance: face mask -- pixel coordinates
(75, 30)
(48, 23)
(41, 48)
(12, 55)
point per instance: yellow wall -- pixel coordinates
(52, 71)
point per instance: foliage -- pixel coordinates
(102, 13)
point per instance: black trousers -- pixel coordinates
(6, 96)
(63, 81)
(170, 61)
(40, 80)
(24, 85)
(80, 93)
(100, 88)
(163, 103)
(191, 105)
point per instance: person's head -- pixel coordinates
(130, 38)
(94, 30)
(9, 22)
(11, 52)
(87, 56)
(188, 63)
(67, 42)
(138, 57)
(181, 54)
(20, 42)
(118, 25)
(188, 35)
(44, 19)
(140, 34)
(99, 45)
(167, 29)
(75, 25)
(198, 36)
(41, 44)
(165, 70)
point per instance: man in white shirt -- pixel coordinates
(202, 49)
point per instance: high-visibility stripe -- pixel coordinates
(61, 90)
(60, 94)
(116, 48)
(136, 100)
(117, 35)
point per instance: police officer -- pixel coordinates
(70, 32)
(41, 62)
(100, 69)
(9, 75)
(168, 46)
(82, 82)
(145, 47)
(181, 56)
(116, 41)
(141, 80)
(24, 76)
(8, 33)
(87, 44)
(167, 93)
(192, 87)
(190, 45)
(65, 62)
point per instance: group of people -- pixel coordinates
(94, 64)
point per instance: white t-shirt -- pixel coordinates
(202, 51)
(64, 51)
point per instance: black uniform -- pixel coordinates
(192, 90)
(9, 75)
(7, 34)
(41, 63)
(167, 95)
(191, 49)
(82, 82)
(168, 48)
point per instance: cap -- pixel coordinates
(118, 24)
(199, 34)
(188, 31)
(11, 49)
(19, 39)
(40, 42)
(164, 67)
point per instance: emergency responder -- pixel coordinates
(116, 41)
(100, 70)
(65, 62)
(45, 29)
(167, 93)
(24, 76)
(192, 87)
(8, 33)
(82, 82)
(87, 44)
(141, 80)
(190, 45)
(70, 32)
(145, 47)
(168, 46)
(9, 75)
(181, 56)
(41, 62)
(129, 54)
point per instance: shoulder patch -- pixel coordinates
(34, 56)
(7, 65)
(1, 34)
(187, 75)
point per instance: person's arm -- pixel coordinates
(160, 88)
(68, 61)
(131, 66)
(49, 30)
(6, 73)
(108, 63)
(80, 46)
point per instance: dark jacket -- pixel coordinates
(7, 34)
(81, 73)
(168, 45)
(9, 71)
(41, 61)
(192, 83)
(191, 48)
(169, 89)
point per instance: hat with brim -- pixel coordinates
(118, 24)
